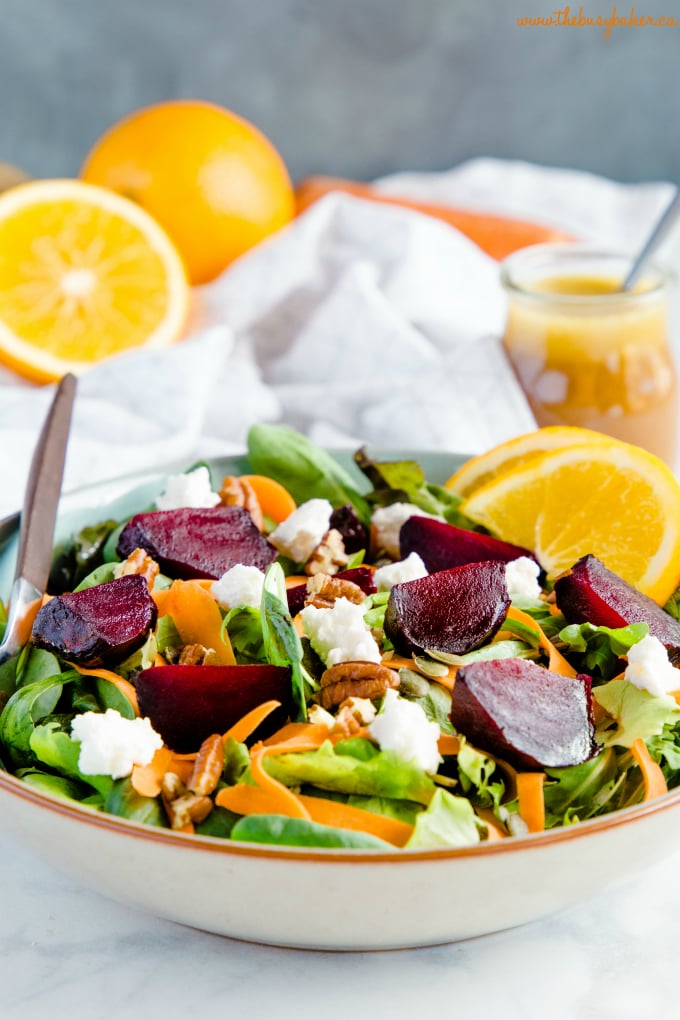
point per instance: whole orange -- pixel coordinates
(209, 177)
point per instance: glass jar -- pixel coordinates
(586, 354)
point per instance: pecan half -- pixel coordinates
(181, 807)
(329, 555)
(239, 492)
(138, 562)
(208, 766)
(323, 590)
(195, 655)
(355, 680)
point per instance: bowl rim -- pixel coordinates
(13, 786)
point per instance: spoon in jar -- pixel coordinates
(663, 225)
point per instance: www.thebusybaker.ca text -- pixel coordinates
(565, 19)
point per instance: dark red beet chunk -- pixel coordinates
(524, 714)
(354, 534)
(187, 703)
(450, 611)
(442, 546)
(359, 575)
(198, 542)
(593, 593)
(102, 624)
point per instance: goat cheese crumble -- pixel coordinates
(189, 490)
(388, 520)
(650, 669)
(301, 532)
(111, 745)
(340, 634)
(403, 727)
(410, 569)
(521, 578)
(239, 586)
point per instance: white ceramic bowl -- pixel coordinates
(324, 899)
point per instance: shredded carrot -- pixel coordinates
(556, 661)
(299, 731)
(241, 730)
(158, 660)
(498, 236)
(196, 616)
(295, 580)
(655, 783)
(530, 797)
(249, 800)
(124, 686)
(494, 831)
(448, 744)
(146, 779)
(25, 624)
(285, 800)
(275, 501)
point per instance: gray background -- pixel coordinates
(351, 87)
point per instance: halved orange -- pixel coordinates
(515, 453)
(84, 274)
(607, 498)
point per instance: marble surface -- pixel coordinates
(66, 952)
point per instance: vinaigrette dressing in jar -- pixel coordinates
(585, 353)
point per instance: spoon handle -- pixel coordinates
(653, 241)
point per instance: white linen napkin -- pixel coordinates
(358, 322)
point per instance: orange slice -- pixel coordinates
(84, 274)
(607, 498)
(515, 453)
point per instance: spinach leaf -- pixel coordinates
(305, 470)
(36, 664)
(143, 658)
(8, 680)
(100, 575)
(124, 801)
(282, 645)
(76, 560)
(55, 786)
(282, 831)
(219, 822)
(167, 635)
(25, 709)
(109, 696)
(54, 748)
(244, 627)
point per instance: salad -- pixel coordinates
(285, 657)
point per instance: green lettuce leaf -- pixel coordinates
(79, 557)
(495, 650)
(636, 713)
(282, 831)
(665, 750)
(475, 772)
(447, 821)
(382, 774)
(580, 791)
(596, 650)
(167, 635)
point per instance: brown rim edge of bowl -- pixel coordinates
(124, 827)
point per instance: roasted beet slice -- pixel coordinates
(524, 714)
(354, 534)
(450, 611)
(198, 542)
(442, 546)
(102, 624)
(592, 593)
(187, 703)
(359, 575)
